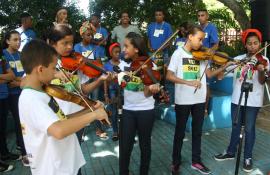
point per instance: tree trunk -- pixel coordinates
(239, 13)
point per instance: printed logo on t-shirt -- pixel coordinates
(16, 65)
(191, 69)
(135, 84)
(239, 71)
(55, 107)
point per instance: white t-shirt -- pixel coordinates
(134, 98)
(47, 155)
(185, 67)
(255, 98)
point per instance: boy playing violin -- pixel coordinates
(49, 135)
(186, 73)
(252, 39)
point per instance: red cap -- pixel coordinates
(248, 31)
(112, 46)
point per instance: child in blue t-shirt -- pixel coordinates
(114, 51)
(100, 38)
(6, 75)
(12, 56)
(88, 50)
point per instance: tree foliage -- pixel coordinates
(43, 13)
(176, 11)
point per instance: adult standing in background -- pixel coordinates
(25, 31)
(100, 38)
(61, 17)
(211, 34)
(210, 41)
(119, 32)
(158, 32)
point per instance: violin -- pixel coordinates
(75, 61)
(219, 58)
(59, 92)
(260, 60)
(148, 75)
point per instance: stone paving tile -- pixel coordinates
(102, 156)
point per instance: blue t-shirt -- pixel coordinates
(109, 67)
(85, 50)
(26, 36)
(100, 50)
(211, 35)
(14, 62)
(158, 33)
(3, 86)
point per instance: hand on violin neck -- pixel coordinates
(195, 83)
(229, 63)
(106, 77)
(154, 88)
(261, 68)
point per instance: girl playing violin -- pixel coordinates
(61, 38)
(185, 72)
(252, 39)
(138, 113)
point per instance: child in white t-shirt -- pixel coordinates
(138, 114)
(185, 72)
(49, 138)
(255, 73)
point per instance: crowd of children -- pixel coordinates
(44, 131)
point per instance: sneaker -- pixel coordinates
(201, 168)
(10, 156)
(115, 137)
(5, 167)
(25, 161)
(175, 168)
(224, 156)
(247, 167)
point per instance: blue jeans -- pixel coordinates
(251, 115)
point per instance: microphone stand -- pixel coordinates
(245, 88)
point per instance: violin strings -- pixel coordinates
(75, 88)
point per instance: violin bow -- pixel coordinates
(154, 54)
(246, 60)
(92, 51)
(202, 75)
